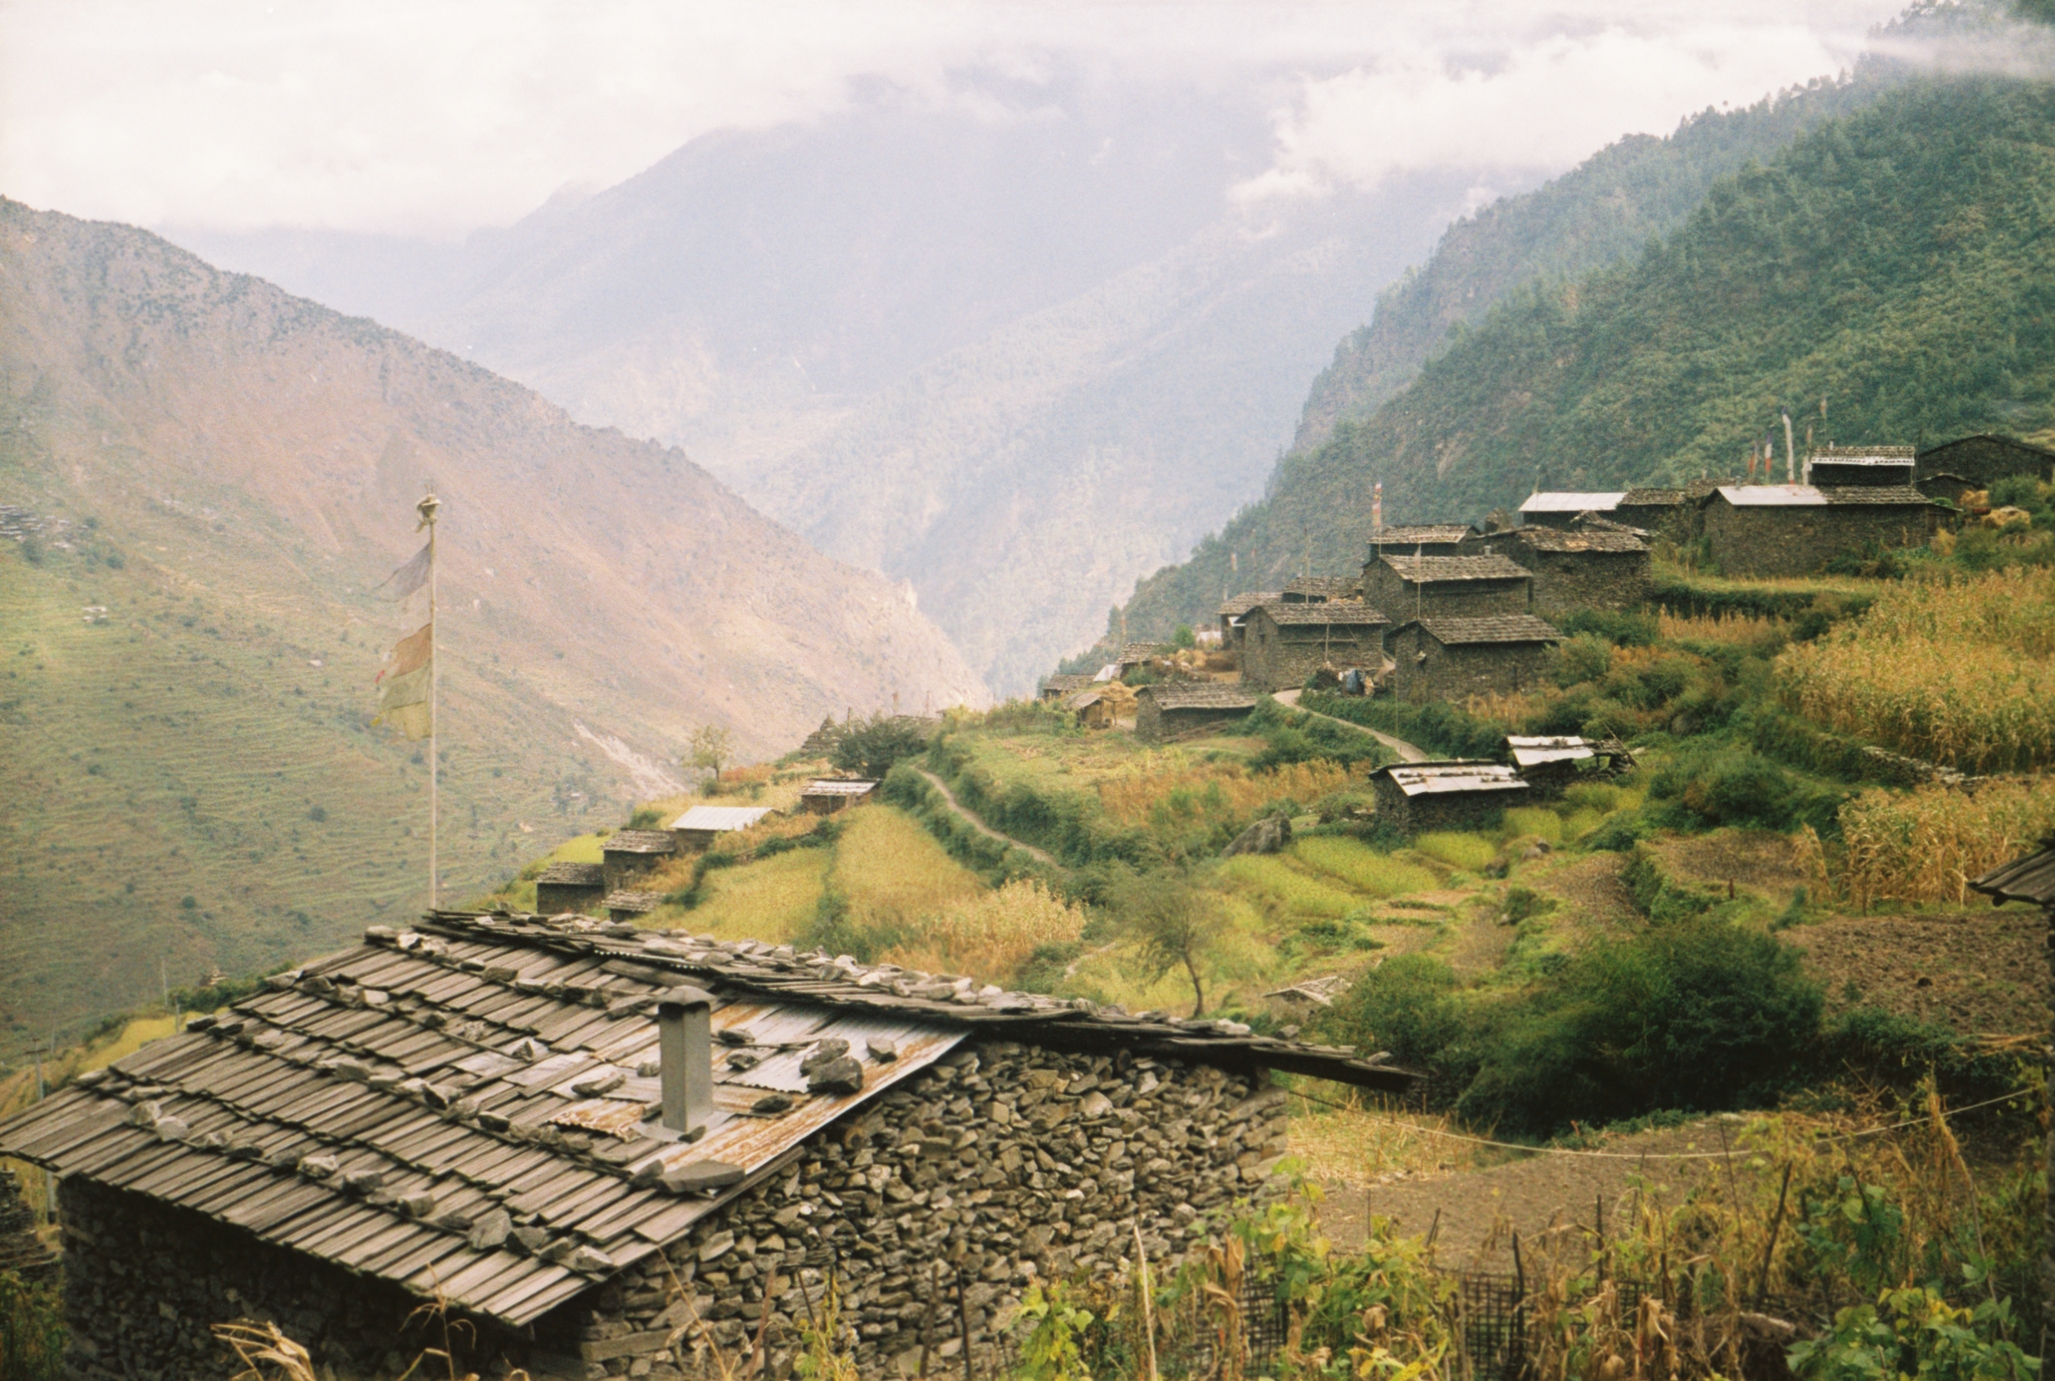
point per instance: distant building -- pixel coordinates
(827, 796)
(1134, 655)
(1283, 644)
(627, 854)
(1549, 764)
(1416, 797)
(1233, 611)
(1984, 459)
(563, 887)
(1320, 589)
(1411, 587)
(625, 906)
(1556, 508)
(1062, 684)
(696, 830)
(1092, 708)
(1796, 529)
(1450, 658)
(1591, 566)
(1174, 708)
(1425, 539)
(1840, 466)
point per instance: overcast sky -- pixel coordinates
(441, 116)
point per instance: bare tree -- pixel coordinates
(1173, 924)
(709, 750)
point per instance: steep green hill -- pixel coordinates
(1895, 262)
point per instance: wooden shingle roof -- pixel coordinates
(1334, 613)
(1418, 534)
(639, 842)
(1323, 586)
(1489, 628)
(1429, 570)
(1198, 695)
(2029, 879)
(574, 874)
(1610, 538)
(1243, 603)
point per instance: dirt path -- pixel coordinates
(1039, 855)
(1406, 751)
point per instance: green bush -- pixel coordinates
(1435, 725)
(1586, 657)
(31, 1330)
(870, 747)
(1408, 1006)
(1622, 627)
(1713, 783)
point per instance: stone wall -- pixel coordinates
(1566, 581)
(1384, 590)
(1155, 724)
(1279, 659)
(1455, 673)
(1443, 810)
(1985, 459)
(1010, 1162)
(1801, 540)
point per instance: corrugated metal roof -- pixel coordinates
(1527, 751)
(1445, 778)
(1818, 496)
(1571, 501)
(720, 817)
(827, 786)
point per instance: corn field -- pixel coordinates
(992, 935)
(1926, 845)
(1961, 672)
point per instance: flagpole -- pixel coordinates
(427, 509)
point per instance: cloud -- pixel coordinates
(441, 116)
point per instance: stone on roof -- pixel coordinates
(1198, 695)
(1573, 501)
(1243, 603)
(1590, 537)
(574, 874)
(1345, 613)
(719, 818)
(633, 902)
(1427, 570)
(422, 1087)
(1447, 778)
(639, 842)
(1490, 628)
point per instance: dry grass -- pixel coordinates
(1287, 891)
(1958, 671)
(1358, 1147)
(894, 873)
(1926, 845)
(1132, 799)
(991, 936)
(769, 900)
(1512, 708)
(1745, 629)
(1363, 868)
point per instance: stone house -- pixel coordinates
(1796, 529)
(1061, 685)
(698, 828)
(1984, 459)
(627, 905)
(1425, 539)
(1418, 797)
(832, 795)
(1549, 764)
(1283, 644)
(1092, 708)
(1833, 466)
(615, 1153)
(626, 855)
(565, 887)
(1171, 709)
(1451, 659)
(1234, 611)
(1320, 589)
(1591, 566)
(1557, 508)
(1411, 587)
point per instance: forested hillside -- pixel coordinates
(1893, 262)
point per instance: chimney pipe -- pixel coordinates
(685, 1058)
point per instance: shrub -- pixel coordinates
(31, 1330)
(1408, 1006)
(1625, 627)
(1585, 657)
(1716, 783)
(871, 746)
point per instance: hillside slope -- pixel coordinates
(1893, 261)
(206, 477)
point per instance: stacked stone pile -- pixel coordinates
(21, 1251)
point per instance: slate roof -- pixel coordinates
(390, 1107)
(1488, 628)
(1418, 534)
(639, 842)
(1449, 778)
(1572, 501)
(2029, 879)
(1820, 496)
(1863, 455)
(1427, 570)
(1063, 683)
(633, 902)
(721, 818)
(1608, 539)
(1329, 587)
(1344, 613)
(1134, 653)
(574, 874)
(1198, 695)
(1243, 603)
(1650, 497)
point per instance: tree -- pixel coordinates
(869, 747)
(709, 750)
(1173, 924)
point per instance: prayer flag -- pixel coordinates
(408, 578)
(405, 682)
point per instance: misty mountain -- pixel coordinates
(1016, 350)
(205, 479)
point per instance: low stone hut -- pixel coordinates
(1425, 539)
(1172, 709)
(628, 854)
(1449, 659)
(1666, 512)
(1556, 508)
(1094, 710)
(1062, 685)
(615, 1153)
(1984, 459)
(698, 828)
(1549, 764)
(832, 795)
(1234, 611)
(1841, 466)
(1591, 566)
(1283, 644)
(1416, 797)
(1411, 587)
(627, 905)
(1321, 589)
(1796, 529)
(570, 887)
